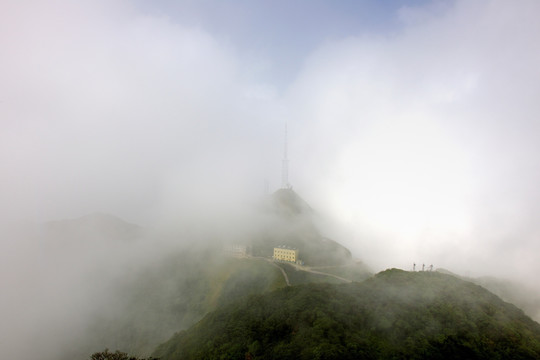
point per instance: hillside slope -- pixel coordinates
(512, 291)
(156, 302)
(394, 315)
(173, 294)
(286, 219)
(146, 300)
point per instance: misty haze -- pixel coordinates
(269, 180)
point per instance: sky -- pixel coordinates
(412, 125)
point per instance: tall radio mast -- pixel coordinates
(285, 165)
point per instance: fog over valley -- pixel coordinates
(138, 140)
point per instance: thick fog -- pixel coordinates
(413, 128)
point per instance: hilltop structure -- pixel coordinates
(285, 166)
(286, 253)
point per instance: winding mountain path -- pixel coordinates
(326, 274)
(310, 269)
(271, 261)
(283, 272)
(301, 268)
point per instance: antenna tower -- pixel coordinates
(285, 165)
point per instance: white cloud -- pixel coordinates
(425, 136)
(422, 135)
(100, 104)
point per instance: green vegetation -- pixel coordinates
(158, 301)
(394, 315)
(297, 277)
(514, 292)
(354, 271)
(248, 312)
(245, 277)
(148, 305)
(117, 355)
(525, 298)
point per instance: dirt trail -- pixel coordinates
(283, 272)
(309, 269)
(300, 268)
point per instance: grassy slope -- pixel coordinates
(174, 295)
(297, 277)
(355, 271)
(393, 315)
(519, 294)
(516, 293)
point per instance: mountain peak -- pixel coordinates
(287, 200)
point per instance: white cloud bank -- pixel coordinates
(425, 142)
(102, 107)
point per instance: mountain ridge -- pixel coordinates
(393, 315)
